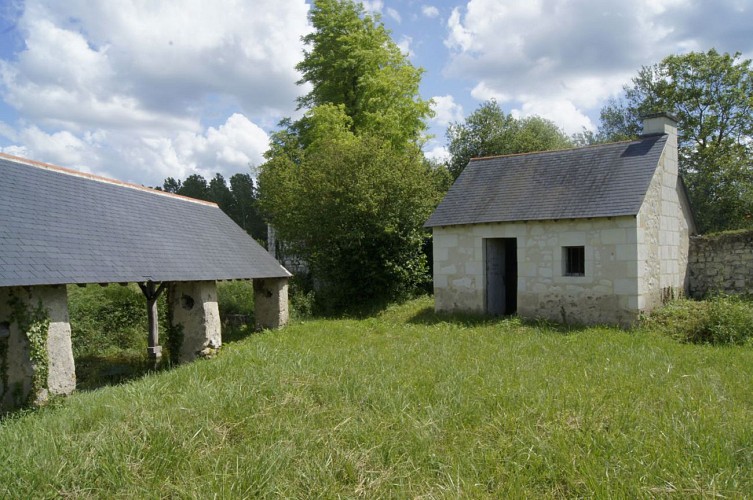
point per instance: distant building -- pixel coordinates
(590, 235)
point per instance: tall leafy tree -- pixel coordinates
(352, 60)
(346, 185)
(712, 96)
(245, 211)
(353, 207)
(195, 186)
(489, 131)
(171, 185)
(219, 192)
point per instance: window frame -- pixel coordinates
(574, 261)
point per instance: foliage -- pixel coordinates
(352, 61)
(108, 319)
(235, 297)
(301, 297)
(721, 319)
(34, 322)
(488, 132)
(712, 96)
(346, 186)
(408, 404)
(353, 209)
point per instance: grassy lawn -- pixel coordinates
(406, 404)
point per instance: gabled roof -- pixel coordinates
(596, 181)
(59, 226)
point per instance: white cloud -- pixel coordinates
(373, 5)
(563, 58)
(394, 14)
(429, 11)
(228, 148)
(447, 110)
(562, 113)
(437, 153)
(231, 146)
(405, 45)
(144, 90)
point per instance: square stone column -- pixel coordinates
(271, 303)
(194, 318)
(36, 356)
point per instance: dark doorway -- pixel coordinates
(501, 255)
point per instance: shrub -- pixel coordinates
(106, 319)
(235, 297)
(722, 319)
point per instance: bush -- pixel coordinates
(236, 298)
(107, 319)
(722, 319)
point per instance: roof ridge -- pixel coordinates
(99, 178)
(510, 155)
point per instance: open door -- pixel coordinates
(501, 260)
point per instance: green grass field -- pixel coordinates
(405, 404)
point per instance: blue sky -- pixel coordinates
(143, 90)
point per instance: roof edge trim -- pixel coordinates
(99, 178)
(510, 155)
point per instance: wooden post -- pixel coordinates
(152, 293)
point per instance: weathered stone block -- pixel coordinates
(271, 303)
(194, 318)
(29, 373)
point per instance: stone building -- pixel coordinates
(590, 235)
(59, 227)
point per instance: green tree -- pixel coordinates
(353, 61)
(195, 186)
(712, 96)
(245, 211)
(171, 185)
(346, 185)
(219, 192)
(488, 131)
(353, 207)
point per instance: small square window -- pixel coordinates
(574, 261)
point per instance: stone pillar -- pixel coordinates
(194, 318)
(39, 314)
(270, 302)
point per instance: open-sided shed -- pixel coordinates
(59, 226)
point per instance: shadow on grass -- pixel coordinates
(236, 333)
(428, 316)
(96, 371)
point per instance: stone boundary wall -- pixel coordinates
(721, 262)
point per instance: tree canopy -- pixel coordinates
(489, 131)
(712, 96)
(345, 185)
(353, 61)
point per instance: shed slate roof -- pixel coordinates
(607, 180)
(58, 226)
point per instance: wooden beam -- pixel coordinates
(152, 293)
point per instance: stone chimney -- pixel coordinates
(659, 123)
(666, 124)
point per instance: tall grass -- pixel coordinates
(405, 404)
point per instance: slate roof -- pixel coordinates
(607, 180)
(58, 226)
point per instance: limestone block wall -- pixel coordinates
(608, 293)
(721, 263)
(41, 305)
(271, 302)
(664, 226)
(193, 311)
